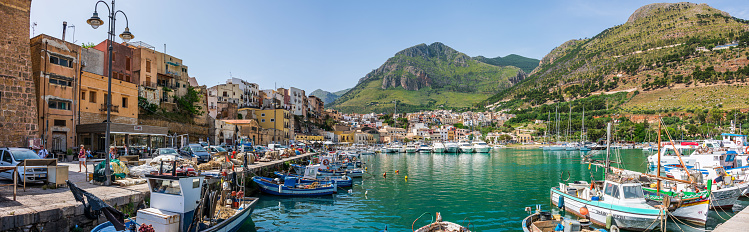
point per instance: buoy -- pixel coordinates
(609, 221)
(397, 171)
(584, 211)
(384, 175)
(406, 178)
(366, 191)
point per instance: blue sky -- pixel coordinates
(331, 44)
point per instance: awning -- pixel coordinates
(118, 128)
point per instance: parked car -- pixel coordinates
(204, 144)
(197, 151)
(13, 156)
(216, 150)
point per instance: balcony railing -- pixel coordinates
(150, 85)
(115, 108)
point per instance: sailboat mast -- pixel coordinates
(582, 130)
(608, 142)
(556, 120)
(569, 123)
(658, 173)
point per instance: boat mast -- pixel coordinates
(608, 148)
(556, 120)
(569, 123)
(658, 173)
(582, 130)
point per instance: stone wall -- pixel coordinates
(18, 115)
(88, 118)
(195, 131)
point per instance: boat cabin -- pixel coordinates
(175, 197)
(733, 140)
(623, 193)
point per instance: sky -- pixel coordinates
(329, 45)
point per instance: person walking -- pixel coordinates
(82, 158)
(112, 152)
(43, 153)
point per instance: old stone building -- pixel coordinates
(18, 110)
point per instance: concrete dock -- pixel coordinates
(739, 222)
(39, 209)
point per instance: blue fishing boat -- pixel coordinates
(291, 186)
(341, 181)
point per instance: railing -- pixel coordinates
(148, 85)
(115, 108)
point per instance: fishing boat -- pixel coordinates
(183, 203)
(480, 146)
(465, 147)
(451, 147)
(724, 192)
(339, 172)
(423, 148)
(292, 186)
(311, 176)
(542, 221)
(692, 207)
(438, 147)
(440, 226)
(411, 148)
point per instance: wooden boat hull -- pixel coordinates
(693, 210)
(339, 180)
(636, 219)
(283, 190)
(229, 225)
(724, 198)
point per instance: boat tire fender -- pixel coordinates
(614, 228)
(561, 202)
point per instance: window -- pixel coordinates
(124, 102)
(127, 63)
(148, 66)
(225, 94)
(60, 61)
(59, 82)
(83, 95)
(272, 119)
(262, 115)
(57, 104)
(170, 187)
(60, 122)
(632, 192)
(262, 120)
(6, 157)
(127, 78)
(92, 97)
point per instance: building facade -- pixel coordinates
(55, 68)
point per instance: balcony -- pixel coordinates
(149, 85)
(115, 108)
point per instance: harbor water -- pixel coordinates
(483, 191)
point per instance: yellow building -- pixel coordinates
(345, 136)
(278, 119)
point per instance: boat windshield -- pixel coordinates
(632, 192)
(165, 186)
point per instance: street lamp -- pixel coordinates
(126, 36)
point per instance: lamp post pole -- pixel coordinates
(126, 36)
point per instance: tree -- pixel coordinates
(186, 103)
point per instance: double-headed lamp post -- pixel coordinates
(126, 36)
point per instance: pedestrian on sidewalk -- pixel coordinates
(82, 158)
(112, 153)
(43, 153)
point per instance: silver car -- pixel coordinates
(14, 156)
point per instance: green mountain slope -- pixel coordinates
(663, 45)
(524, 63)
(427, 77)
(328, 97)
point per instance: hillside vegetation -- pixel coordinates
(661, 46)
(427, 77)
(524, 63)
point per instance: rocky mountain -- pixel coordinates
(328, 97)
(524, 63)
(427, 77)
(662, 46)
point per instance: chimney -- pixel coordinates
(64, 26)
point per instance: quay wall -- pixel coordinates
(65, 214)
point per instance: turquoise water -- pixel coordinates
(487, 192)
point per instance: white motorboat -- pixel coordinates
(438, 147)
(411, 148)
(480, 146)
(423, 148)
(452, 147)
(465, 147)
